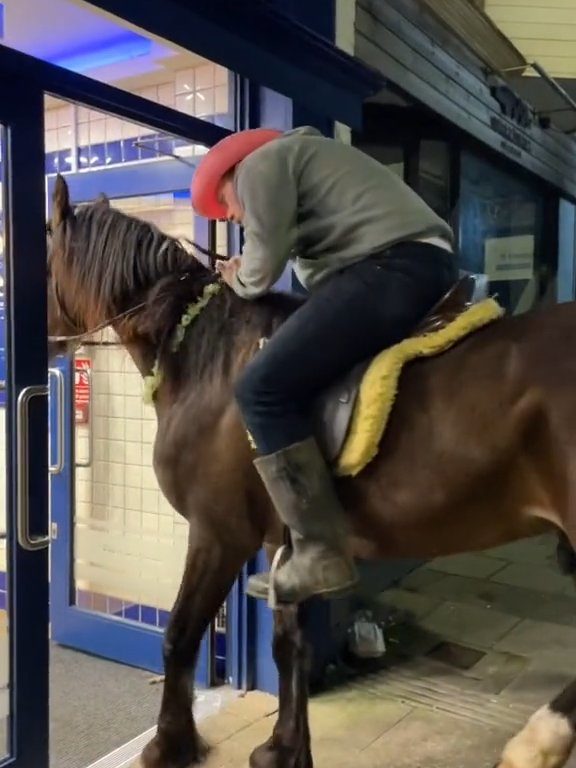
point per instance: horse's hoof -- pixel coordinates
(270, 755)
(174, 753)
(264, 756)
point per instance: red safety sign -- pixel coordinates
(82, 384)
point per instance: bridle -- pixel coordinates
(79, 337)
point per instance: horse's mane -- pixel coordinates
(117, 258)
(120, 261)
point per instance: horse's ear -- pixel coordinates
(103, 199)
(61, 208)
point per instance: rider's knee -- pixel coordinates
(250, 388)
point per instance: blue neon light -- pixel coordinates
(129, 46)
(1, 21)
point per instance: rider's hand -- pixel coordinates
(228, 268)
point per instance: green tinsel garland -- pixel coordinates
(153, 381)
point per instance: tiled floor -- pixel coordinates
(476, 644)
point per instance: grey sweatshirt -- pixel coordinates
(324, 205)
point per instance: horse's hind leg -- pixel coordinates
(289, 745)
(547, 739)
(210, 570)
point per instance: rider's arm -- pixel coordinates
(267, 193)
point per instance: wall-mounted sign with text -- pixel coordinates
(509, 258)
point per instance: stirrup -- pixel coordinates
(272, 596)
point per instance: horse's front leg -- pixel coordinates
(212, 563)
(289, 745)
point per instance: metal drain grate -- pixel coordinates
(432, 692)
(456, 655)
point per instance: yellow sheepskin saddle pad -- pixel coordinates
(352, 416)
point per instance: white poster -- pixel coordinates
(509, 258)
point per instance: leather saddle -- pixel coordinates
(333, 410)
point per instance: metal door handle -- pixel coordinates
(87, 462)
(26, 541)
(58, 465)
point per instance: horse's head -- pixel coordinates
(108, 268)
(70, 310)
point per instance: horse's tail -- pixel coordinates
(547, 739)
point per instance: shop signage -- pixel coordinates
(512, 135)
(516, 116)
(509, 258)
(82, 387)
(512, 106)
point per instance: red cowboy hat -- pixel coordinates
(217, 162)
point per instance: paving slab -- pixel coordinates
(538, 550)
(537, 578)
(453, 588)
(536, 686)
(497, 670)
(420, 578)
(479, 627)
(517, 601)
(471, 565)
(413, 603)
(433, 740)
(543, 678)
(409, 640)
(538, 638)
(359, 719)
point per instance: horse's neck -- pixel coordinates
(243, 339)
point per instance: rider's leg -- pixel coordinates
(352, 316)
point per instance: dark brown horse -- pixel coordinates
(480, 450)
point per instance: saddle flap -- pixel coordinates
(333, 411)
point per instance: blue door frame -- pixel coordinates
(21, 113)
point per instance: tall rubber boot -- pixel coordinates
(301, 488)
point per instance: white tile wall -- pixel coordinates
(129, 542)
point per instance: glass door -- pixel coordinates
(118, 546)
(23, 432)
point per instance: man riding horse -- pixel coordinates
(375, 259)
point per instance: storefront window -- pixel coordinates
(501, 223)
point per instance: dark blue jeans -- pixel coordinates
(352, 316)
